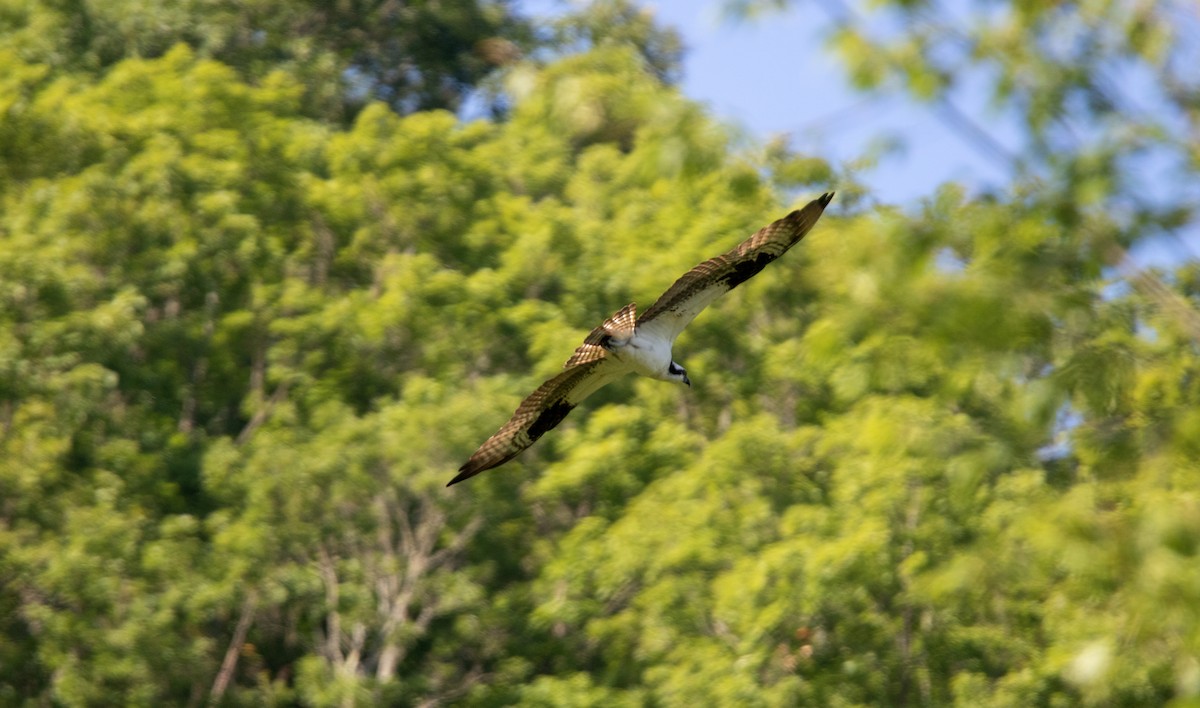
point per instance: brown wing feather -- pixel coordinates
(546, 407)
(728, 270)
(619, 326)
(586, 353)
(539, 412)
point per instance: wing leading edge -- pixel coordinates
(701, 286)
(538, 413)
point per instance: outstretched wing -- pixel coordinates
(539, 412)
(700, 286)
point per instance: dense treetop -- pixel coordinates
(260, 295)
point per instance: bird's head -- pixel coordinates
(675, 372)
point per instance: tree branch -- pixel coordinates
(229, 663)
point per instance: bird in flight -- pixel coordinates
(627, 343)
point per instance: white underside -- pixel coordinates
(645, 354)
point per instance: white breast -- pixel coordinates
(646, 353)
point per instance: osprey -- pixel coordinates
(627, 343)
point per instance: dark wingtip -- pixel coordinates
(825, 198)
(464, 472)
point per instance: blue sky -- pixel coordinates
(774, 75)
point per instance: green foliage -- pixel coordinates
(416, 55)
(935, 458)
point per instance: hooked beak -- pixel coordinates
(687, 381)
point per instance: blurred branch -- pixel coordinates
(986, 145)
(229, 663)
(945, 110)
(261, 415)
(973, 133)
(839, 118)
(1150, 285)
(333, 619)
(187, 414)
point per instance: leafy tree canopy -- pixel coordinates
(943, 456)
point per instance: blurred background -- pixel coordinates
(270, 271)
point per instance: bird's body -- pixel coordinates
(626, 343)
(645, 353)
